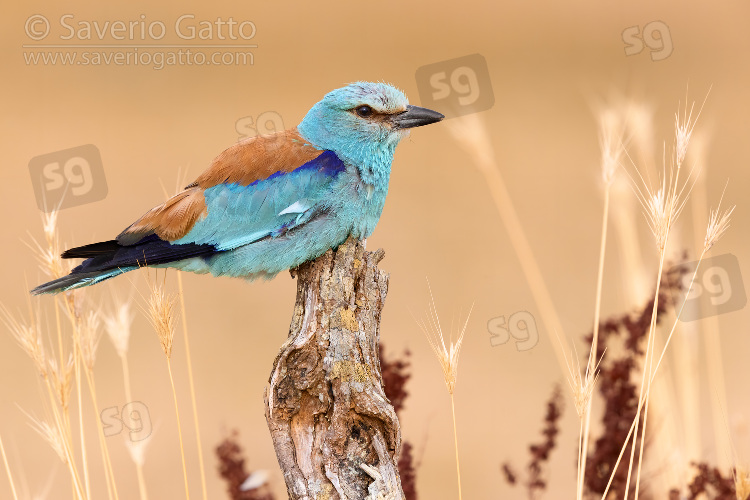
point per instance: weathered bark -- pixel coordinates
(335, 433)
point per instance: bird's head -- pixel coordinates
(363, 121)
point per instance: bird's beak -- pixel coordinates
(414, 116)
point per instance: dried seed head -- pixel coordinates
(581, 386)
(640, 124)
(662, 207)
(76, 299)
(49, 259)
(117, 324)
(610, 140)
(90, 334)
(717, 226)
(162, 315)
(29, 338)
(741, 477)
(49, 224)
(52, 434)
(137, 449)
(471, 134)
(61, 378)
(447, 356)
(683, 130)
(48, 254)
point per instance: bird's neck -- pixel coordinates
(371, 158)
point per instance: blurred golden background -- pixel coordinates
(552, 66)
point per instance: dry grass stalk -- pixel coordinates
(61, 377)
(86, 329)
(74, 302)
(117, 324)
(191, 382)
(611, 129)
(82, 434)
(717, 226)
(638, 288)
(582, 388)
(58, 373)
(642, 399)
(662, 208)
(55, 435)
(448, 359)
(7, 470)
(137, 449)
(29, 338)
(90, 334)
(56, 379)
(53, 265)
(109, 471)
(471, 134)
(86, 336)
(711, 350)
(137, 452)
(161, 313)
(182, 180)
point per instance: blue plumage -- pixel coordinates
(272, 202)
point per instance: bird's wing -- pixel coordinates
(258, 158)
(258, 188)
(237, 215)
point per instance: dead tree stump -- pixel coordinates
(335, 433)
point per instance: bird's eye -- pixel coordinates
(364, 111)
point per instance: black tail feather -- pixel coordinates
(108, 259)
(69, 281)
(91, 250)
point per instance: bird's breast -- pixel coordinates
(360, 197)
(368, 204)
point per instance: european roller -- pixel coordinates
(269, 203)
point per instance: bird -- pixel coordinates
(269, 202)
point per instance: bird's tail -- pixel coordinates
(77, 280)
(108, 259)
